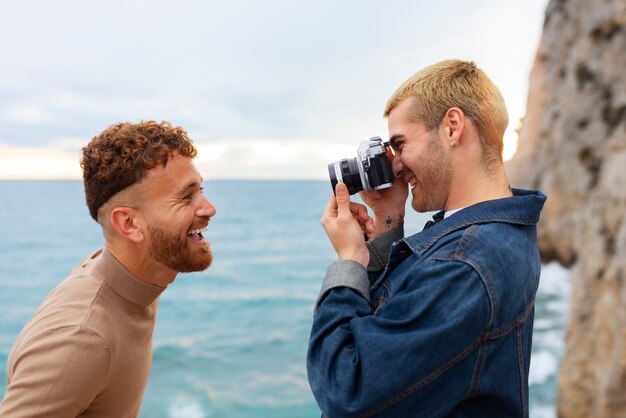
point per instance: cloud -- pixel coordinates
(263, 158)
(302, 75)
(38, 162)
(26, 113)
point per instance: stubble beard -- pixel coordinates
(435, 176)
(174, 252)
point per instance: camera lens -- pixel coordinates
(346, 171)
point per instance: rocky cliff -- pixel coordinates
(573, 147)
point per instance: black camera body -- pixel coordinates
(371, 169)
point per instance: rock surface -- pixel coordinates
(572, 146)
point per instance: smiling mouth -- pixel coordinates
(196, 234)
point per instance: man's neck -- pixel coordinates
(479, 187)
(141, 265)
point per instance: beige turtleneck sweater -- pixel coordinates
(87, 349)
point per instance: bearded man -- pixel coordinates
(87, 351)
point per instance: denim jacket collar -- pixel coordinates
(522, 208)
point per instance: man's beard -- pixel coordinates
(175, 253)
(435, 177)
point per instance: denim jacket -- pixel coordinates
(441, 327)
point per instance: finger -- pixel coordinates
(360, 214)
(361, 222)
(359, 210)
(342, 198)
(367, 226)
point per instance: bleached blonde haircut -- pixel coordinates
(455, 83)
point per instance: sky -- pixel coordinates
(266, 89)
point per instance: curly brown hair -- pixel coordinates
(123, 153)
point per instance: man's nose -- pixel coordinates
(206, 209)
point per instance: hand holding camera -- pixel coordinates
(344, 223)
(371, 175)
(370, 170)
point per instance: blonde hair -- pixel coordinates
(455, 83)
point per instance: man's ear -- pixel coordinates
(126, 221)
(453, 125)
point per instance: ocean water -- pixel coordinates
(230, 341)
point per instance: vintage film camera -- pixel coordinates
(371, 169)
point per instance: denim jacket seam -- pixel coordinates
(426, 380)
(423, 247)
(522, 374)
(491, 335)
(384, 297)
(478, 366)
(491, 293)
(516, 323)
(464, 242)
(493, 303)
(387, 287)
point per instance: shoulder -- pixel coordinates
(442, 296)
(69, 304)
(57, 372)
(72, 344)
(70, 308)
(505, 258)
(489, 243)
(71, 335)
(435, 282)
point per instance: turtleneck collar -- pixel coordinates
(122, 282)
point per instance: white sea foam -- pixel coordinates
(543, 365)
(543, 412)
(555, 280)
(543, 324)
(548, 340)
(272, 390)
(185, 408)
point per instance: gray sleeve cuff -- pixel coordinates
(380, 247)
(345, 273)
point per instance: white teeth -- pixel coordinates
(197, 231)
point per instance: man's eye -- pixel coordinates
(191, 194)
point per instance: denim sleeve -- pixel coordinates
(406, 354)
(348, 273)
(380, 247)
(345, 273)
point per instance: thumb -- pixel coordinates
(343, 198)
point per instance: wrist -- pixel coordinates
(362, 257)
(387, 222)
